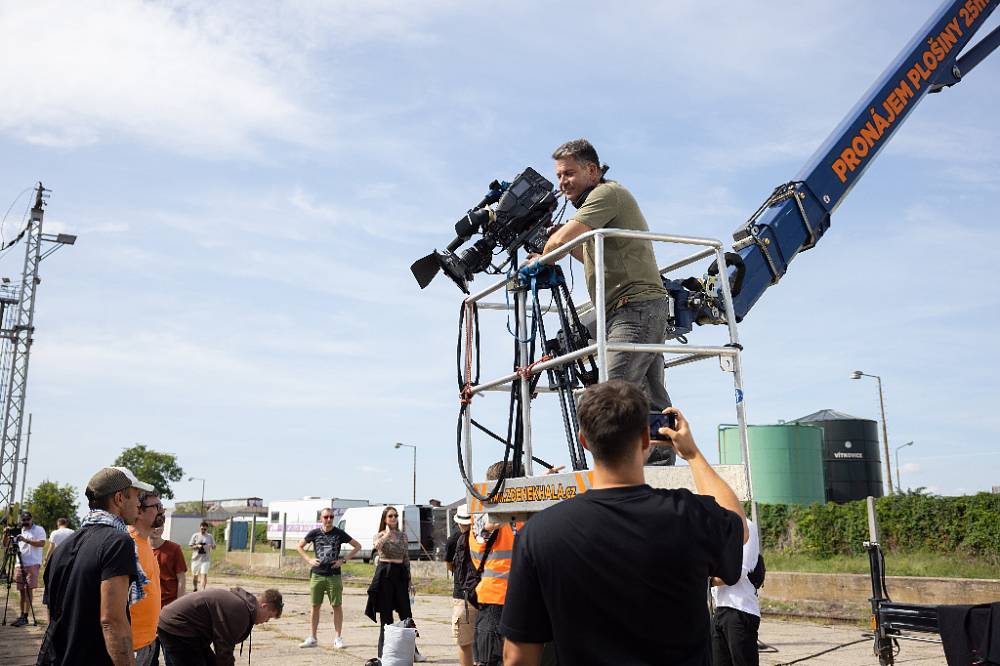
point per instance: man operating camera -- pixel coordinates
(30, 539)
(634, 298)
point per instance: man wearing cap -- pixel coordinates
(30, 543)
(94, 577)
(463, 614)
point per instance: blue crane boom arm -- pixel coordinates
(797, 214)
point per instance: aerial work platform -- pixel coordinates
(519, 497)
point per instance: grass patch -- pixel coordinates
(931, 565)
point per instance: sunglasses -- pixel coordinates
(391, 515)
(157, 506)
(327, 517)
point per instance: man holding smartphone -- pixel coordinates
(673, 541)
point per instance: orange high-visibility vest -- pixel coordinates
(492, 588)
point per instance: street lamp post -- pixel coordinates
(197, 478)
(899, 484)
(411, 446)
(857, 374)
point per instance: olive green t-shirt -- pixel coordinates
(630, 270)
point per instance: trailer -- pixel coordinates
(295, 518)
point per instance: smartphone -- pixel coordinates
(657, 421)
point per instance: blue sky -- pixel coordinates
(250, 182)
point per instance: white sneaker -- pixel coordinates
(338, 643)
(309, 642)
(417, 657)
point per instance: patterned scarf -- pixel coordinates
(136, 589)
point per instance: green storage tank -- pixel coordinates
(787, 461)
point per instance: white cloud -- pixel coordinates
(86, 72)
(213, 80)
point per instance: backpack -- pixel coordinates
(756, 575)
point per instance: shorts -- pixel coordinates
(463, 622)
(200, 567)
(331, 587)
(26, 578)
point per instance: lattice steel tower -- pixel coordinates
(17, 315)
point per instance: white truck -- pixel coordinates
(301, 515)
(362, 524)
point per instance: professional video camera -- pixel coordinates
(12, 531)
(519, 219)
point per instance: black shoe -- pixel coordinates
(20, 622)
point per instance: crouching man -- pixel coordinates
(203, 629)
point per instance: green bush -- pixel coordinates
(968, 526)
(219, 533)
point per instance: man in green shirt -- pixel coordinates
(634, 298)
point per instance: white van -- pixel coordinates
(362, 524)
(301, 516)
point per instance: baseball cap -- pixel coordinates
(462, 516)
(110, 480)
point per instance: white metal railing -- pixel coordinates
(728, 354)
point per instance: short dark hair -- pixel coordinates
(146, 494)
(579, 149)
(273, 599)
(612, 417)
(204, 523)
(506, 469)
(62, 522)
(102, 502)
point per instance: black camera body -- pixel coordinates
(12, 531)
(522, 212)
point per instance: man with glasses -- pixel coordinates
(146, 613)
(324, 574)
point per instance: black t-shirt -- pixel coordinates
(327, 545)
(457, 552)
(620, 576)
(74, 585)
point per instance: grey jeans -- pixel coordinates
(149, 655)
(644, 322)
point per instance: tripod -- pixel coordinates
(11, 560)
(572, 335)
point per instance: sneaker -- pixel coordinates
(19, 622)
(417, 657)
(309, 642)
(338, 643)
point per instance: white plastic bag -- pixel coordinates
(399, 646)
